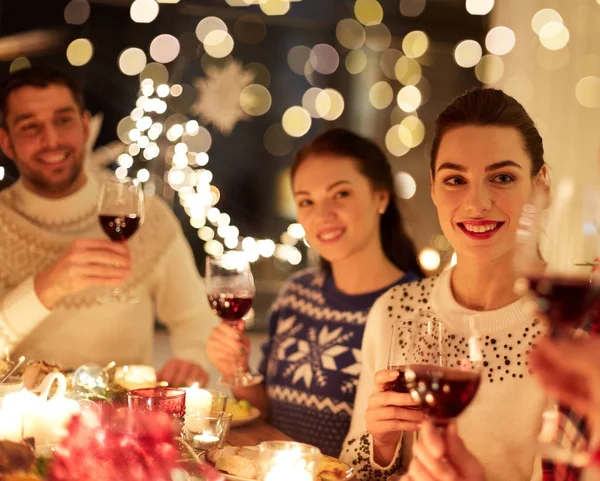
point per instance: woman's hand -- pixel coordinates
(228, 349)
(389, 414)
(442, 457)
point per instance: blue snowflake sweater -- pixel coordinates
(312, 359)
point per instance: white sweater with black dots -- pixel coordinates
(501, 424)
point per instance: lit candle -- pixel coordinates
(287, 460)
(205, 441)
(135, 376)
(11, 426)
(197, 401)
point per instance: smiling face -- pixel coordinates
(481, 181)
(45, 134)
(337, 206)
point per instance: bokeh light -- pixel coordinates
(275, 7)
(412, 8)
(405, 185)
(415, 44)
(218, 44)
(554, 36)
(330, 104)
(262, 76)
(296, 121)
(208, 25)
(543, 17)
(324, 58)
(393, 141)
(297, 58)
(156, 72)
(409, 98)
(408, 71)
(356, 61)
(381, 95)
(164, 48)
(77, 12)
(309, 101)
(429, 259)
(19, 64)
(378, 37)
(132, 61)
(500, 40)
(490, 69)
(368, 12)
(412, 132)
(144, 11)
(587, 92)
(468, 53)
(479, 7)
(255, 100)
(387, 62)
(350, 33)
(80, 52)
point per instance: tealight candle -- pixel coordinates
(205, 441)
(135, 376)
(197, 401)
(287, 460)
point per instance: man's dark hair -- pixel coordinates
(40, 77)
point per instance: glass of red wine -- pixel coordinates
(231, 291)
(442, 385)
(120, 212)
(566, 231)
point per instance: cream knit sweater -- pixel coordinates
(33, 233)
(501, 424)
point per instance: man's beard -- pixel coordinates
(45, 185)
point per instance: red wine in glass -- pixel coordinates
(442, 392)
(230, 307)
(565, 300)
(399, 385)
(119, 227)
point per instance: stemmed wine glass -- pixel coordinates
(120, 212)
(560, 281)
(231, 292)
(443, 386)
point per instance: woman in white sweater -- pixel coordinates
(486, 158)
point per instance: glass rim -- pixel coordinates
(281, 445)
(209, 414)
(175, 392)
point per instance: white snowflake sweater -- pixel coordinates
(501, 424)
(312, 358)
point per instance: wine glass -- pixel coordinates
(560, 281)
(120, 212)
(231, 291)
(443, 386)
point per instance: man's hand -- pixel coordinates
(85, 263)
(178, 372)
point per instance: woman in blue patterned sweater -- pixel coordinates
(344, 193)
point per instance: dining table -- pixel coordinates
(254, 433)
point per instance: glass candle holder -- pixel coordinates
(164, 399)
(202, 401)
(204, 431)
(287, 460)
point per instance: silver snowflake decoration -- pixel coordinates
(219, 96)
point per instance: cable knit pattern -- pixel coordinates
(501, 424)
(312, 359)
(34, 231)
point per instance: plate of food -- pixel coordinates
(241, 464)
(242, 412)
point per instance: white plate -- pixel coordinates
(252, 415)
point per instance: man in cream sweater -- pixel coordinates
(55, 261)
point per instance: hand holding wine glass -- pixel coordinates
(120, 212)
(231, 292)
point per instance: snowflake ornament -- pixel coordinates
(219, 96)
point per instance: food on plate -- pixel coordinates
(238, 409)
(235, 460)
(331, 469)
(243, 462)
